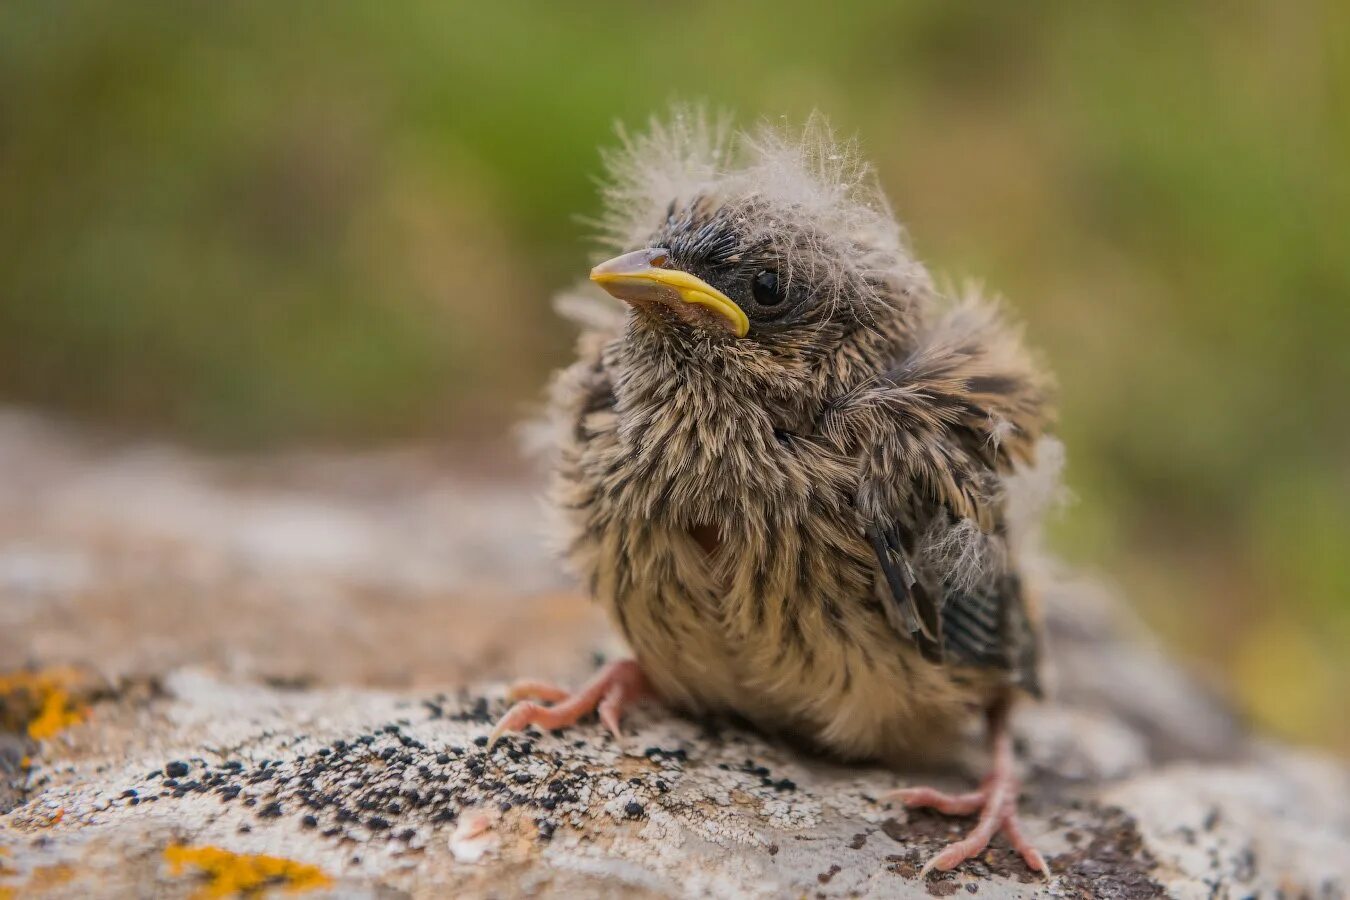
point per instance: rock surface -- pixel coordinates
(286, 671)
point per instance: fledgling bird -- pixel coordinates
(790, 470)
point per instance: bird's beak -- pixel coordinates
(641, 277)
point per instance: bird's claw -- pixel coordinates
(529, 689)
(996, 803)
(607, 693)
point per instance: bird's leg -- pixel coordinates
(611, 689)
(995, 801)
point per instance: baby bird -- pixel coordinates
(791, 470)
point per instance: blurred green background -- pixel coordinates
(257, 224)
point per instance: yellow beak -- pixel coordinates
(639, 277)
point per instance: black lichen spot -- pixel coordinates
(310, 822)
(377, 823)
(270, 811)
(633, 809)
(176, 769)
(1114, 863)
(942, 886)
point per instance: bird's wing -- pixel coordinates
(984, 624)
(989, 627)
(939, 432)
(911, 608)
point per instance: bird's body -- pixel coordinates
(789, 473)
(719, 530)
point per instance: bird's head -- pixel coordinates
(765, 245)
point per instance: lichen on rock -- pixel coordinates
(227, 874)
(297, 674)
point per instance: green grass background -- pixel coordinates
(252, 224)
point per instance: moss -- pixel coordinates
(229, 873)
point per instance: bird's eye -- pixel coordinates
(766, 289)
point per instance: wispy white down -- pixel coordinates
(808, 195)
(1034, 493)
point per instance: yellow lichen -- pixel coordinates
(234, 873)
(6, 893)
(41, 702)
(44, 879)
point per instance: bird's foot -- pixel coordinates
(997, 806)
(996, 803)
(608, 693)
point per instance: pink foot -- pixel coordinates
(995, 801)
(612, 689)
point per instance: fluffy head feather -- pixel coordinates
(805, 196)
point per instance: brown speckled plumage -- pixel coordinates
(731, 501)
(794, 473)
